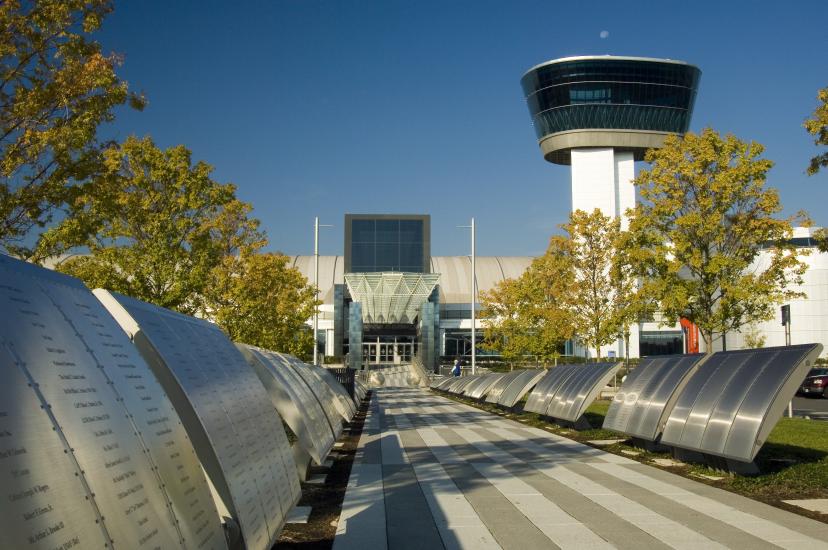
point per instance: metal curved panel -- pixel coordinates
(497, 388)
(445, 383)
(112, 471)
(646, 397)
(540, 397)
(237, 433)
(339, 390)
(323, 393)
(293, 400)
(481, 387)
(40, 483)
(517, 389)
(360, 389)
(461, 383)
(469, 389)
(454, 383)
(735, 398)
(342, 402)
(580, 390)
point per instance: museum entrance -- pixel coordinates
(388, 344)
(392, 350)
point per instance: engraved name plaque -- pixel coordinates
(226, 411)
(65, 345)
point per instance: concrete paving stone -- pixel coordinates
(707, 476)
(362, 520)
(772, 532)
(661, 528)
(317, 479)
(409, 523)
(605, 442)
(469, 479)
(667, 462)
(392, 450)
(510, 528)
(813, 504)
(299, 514)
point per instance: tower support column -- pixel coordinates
(603, 178)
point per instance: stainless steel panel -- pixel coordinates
(43, 500)
(444, 383)
(544, 392)
(478, 389)
(237, 432)
(580, 389)
(517, 389)
(646, 397)
(324, 394)
(497, 389)
(464, 381)
(294, 402)
(735, 398)
(338, 388)
(472, 387)
(154, 417)
(84, 409)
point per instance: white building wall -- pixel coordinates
(593, 180)
(809, 316)
(603, 178)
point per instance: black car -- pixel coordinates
(815, 383)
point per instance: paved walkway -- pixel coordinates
(433, 473)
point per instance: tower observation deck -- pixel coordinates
(600, 114)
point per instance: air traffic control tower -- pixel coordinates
(600, 114)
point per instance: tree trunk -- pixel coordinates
(724, 341)
(626, 351)
(708, 341)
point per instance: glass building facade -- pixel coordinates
(610, 93)
(387, 243)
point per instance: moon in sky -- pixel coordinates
(604, 34)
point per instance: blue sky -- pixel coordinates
(402, 106)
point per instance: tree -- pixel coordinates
(530, 315)
(257, 299)
(632, 298)
(704, 218)
(818, 126)
(56, 88)
(154, 225)
(593, 240)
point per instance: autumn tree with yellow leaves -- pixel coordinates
(706, 214)
(56, 88)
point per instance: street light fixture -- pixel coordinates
(473, 298)
(316, 227)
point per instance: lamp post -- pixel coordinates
(473, 299)
(316, 227)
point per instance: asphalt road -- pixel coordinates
(815, 407)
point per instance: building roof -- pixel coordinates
(606, 57)
(455, 273)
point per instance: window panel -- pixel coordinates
(388, 255)
(362, 231)
(388, 231)
(362, 254)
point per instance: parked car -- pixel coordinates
(815, 383)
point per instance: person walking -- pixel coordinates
(455, 371)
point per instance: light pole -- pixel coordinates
(473, 299)
(316, 227)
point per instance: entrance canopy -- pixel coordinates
(390, 297)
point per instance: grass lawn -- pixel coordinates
(793, 462)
